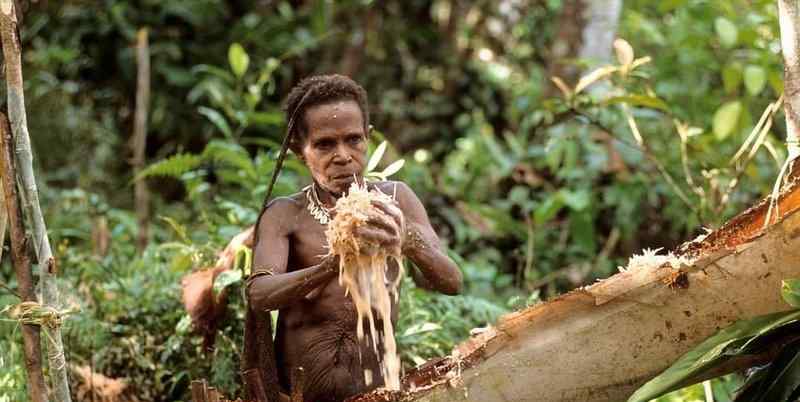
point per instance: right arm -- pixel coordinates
(270, 287)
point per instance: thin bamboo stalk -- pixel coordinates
(22, 265)
(30, 197)
(139, 140)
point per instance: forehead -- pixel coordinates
(334, 117)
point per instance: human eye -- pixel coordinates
(326, 143)
(355, 139)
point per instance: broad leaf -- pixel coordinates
(726, 31)
(225, 279)
(393, 168)
(243, 259)
(726, 119)
(639, 100)
(593, 77)
(217, 119)
(786, 378)
(755, 79)
(790, 290)
(624, 52)
(731, 77)
(238, 59)
(376, 157)
(737, 339)
(548, 209)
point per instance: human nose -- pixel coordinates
(342, 156)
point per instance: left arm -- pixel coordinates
(422, 246)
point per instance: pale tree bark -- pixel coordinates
(602, 19)
(600, 343)
(789, 18)
(45, 261)
(22, 265)
(3, 222)
(586, 32)
(139, 139)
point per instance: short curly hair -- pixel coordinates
(318, 90)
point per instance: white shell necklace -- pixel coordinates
(315, 207)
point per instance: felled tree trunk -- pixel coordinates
(600, 343)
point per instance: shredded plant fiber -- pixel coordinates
(362, 272)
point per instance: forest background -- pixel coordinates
(535, 186)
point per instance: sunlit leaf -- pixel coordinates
(576, 200)
(755, 79)
(726, 31)
(376, 157)
(726, 119)
(393, 168)
(562, 86)
(624, 51)
(639, 100)
(421, 328)
(790, 290)
(225, 279)
(593, 77)
(238, 59)
(217, 119)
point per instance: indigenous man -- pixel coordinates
(291, 273)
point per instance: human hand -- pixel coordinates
(384, 228)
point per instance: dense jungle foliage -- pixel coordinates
(535, 188)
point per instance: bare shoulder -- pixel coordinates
(281, 213)
(405, 196)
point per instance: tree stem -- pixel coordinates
(30, 197)
(139, 140)
(22, 265)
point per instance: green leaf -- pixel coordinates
(238, 59)
(726, 119)
(217, 119)
(790, 290)
(421, 328)
(576, 200)
(376, 157)
(266, 118)
(173, 166)
(651, 102)
(785, 380)
(726, 31)
(225, 279)
(734, 340)
(548, 209)
(243, 259)
(731, 77)
(755, 79)
(231, 154)
(581, 227)
(393, 168)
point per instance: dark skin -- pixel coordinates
(317, 322)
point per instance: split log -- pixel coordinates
(600, 343)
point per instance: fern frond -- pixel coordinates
(230, 154)
(173, 166)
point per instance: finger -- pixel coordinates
(377, 236)
(384, 222)
(390, 209)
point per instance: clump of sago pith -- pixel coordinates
(362, 272)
